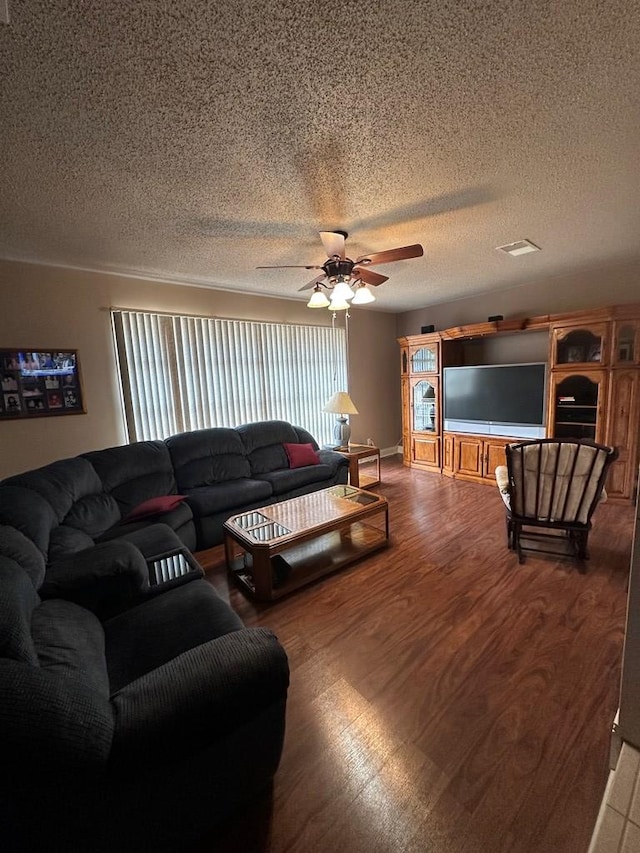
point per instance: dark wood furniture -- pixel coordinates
(274, 549)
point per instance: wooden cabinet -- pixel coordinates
(579, 345)
(447, 454)
(593, 391)
(420, 382)
(476, 457)
(622, 431)
(625, 343)
(577, 404)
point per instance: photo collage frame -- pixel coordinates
(36, 384)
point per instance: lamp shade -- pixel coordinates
(363, 295)
(340, 404)
(318, 299)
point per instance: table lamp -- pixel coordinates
(341, 404)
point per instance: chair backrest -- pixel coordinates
(557, 480)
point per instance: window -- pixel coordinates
(185, 373)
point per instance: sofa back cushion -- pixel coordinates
(28, 512)
(134, 473)
(67, 494)
(263, 442)
(69, 641)
(207, 456)
(18, 600)
(22, 550)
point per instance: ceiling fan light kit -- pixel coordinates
(318, 299)
(342, 274)
(338, 304)
(342, 291)
(363, 295)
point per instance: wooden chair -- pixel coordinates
(551, 488)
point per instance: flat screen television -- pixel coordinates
(503, 399)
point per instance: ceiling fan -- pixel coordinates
(340, 272)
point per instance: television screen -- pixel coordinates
(506, 393)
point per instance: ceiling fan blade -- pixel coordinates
(399, 254)
(317, 280)
(369, 276)
(333, 242)
(292, 267)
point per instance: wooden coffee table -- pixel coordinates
(275, 549)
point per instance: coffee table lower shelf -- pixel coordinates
(303, 562)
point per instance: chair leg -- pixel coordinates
(509, 521)
(516, 532)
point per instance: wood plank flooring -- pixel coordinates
(443, 698)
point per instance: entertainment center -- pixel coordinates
(469, 391)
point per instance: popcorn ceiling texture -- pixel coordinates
(192, 141)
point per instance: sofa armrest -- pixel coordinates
(334, 459)
(52, 727)
(105, 579)
(199, 697)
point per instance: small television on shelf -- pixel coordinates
(500, 399)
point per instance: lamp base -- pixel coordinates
(342, 432)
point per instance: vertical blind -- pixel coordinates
(184, 373)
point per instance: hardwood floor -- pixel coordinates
(443, 699)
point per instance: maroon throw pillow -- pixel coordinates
(155, 506)
(301, 455)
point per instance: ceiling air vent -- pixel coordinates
(522, 247)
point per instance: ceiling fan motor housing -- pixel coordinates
(334, 268)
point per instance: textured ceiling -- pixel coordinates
(193, 141)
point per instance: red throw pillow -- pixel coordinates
(155, 506)
(301, 455)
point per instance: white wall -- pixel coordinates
(53, 308)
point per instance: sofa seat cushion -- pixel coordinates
(154, 507)
(221, 497)
(151, 539)
(69, 640)
(295, 478)
(139, 640)
(175, 519)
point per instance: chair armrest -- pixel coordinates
(106, 579)
(502, 478)
(199, 697)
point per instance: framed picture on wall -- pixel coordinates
(36, 383)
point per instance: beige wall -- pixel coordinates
(47, 308)
(574, 291)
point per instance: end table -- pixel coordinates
(356, 454)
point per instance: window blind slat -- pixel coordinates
(184, 373)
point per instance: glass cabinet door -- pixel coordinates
(424, 359)
(580, 346)
(424, 407)
(626, 349)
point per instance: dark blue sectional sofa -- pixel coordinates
(136, 715)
